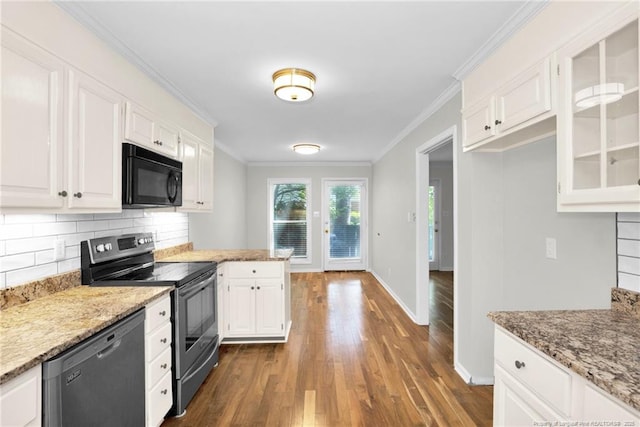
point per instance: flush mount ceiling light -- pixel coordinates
(599, 94)
(306, 148)
(293, 84)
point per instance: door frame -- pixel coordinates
(437, 185)
(449, 135)
(364, 223)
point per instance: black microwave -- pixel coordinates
(149, 179)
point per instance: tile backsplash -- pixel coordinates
(629, 251)
(27, 241)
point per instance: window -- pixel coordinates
(290, 217)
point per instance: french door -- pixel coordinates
(344, 220)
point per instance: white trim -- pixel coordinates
(294, 269)
(527, 11)
(77, 11)
(482, 380)
(307, 182)
(364, 224)
(464, 374)
(396, 298)
(438, 103)
(307, 164)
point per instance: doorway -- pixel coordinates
(344, 221)
(431, 189)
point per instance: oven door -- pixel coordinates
(149, 183)
(197, 321)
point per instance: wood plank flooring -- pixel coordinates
(354, 358)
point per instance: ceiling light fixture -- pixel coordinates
(293, 84)
(599, 94)
(306, 148)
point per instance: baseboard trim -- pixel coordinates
(482, 381)
(464, 374)
(305, 270)
(397, 299)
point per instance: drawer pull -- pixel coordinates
(163, 366)
(254, 271)
(519, 364)
(163, 391)
(163, 313)
(164, 341)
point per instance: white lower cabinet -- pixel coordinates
(256, 305)
(21, 399)
(530, 388)
(158, 378)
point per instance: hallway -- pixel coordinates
(353, 358)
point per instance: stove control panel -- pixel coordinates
(109, 248)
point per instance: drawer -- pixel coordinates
(158, 367)
(535, 371)
(254, 269)
(159, 401)
(157, 312)
(157, 341)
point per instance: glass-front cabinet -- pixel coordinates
(598, 135)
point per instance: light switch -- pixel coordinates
(551, 248)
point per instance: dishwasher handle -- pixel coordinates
(109, 349)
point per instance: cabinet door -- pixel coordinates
(190, 182)
(241, 316)
(206, 177)
(478, 123)
(21, 399)
(514, 405)
(524, 98)
(269, 307)
(138, 126)
(95, 139)
(31, 150)
(598, 136)
(165, 137)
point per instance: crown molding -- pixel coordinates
(227, 150)
(443, 98)
(527, 11)
(77, 11)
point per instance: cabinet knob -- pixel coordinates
(78, 195)
(157, 142)
(254, 271)
(519, 364)
(164, 391)
(487, 127)
(63, 193)
(252, 288)
(163, 313)
(258, 287)
(163, 340)
(163, 366)
(498, 122)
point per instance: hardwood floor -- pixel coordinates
(354, 358)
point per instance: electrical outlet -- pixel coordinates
(59, 248)
(551, 248)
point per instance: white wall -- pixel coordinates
(26, 241)
(258, 207)
(506, 208)
(443, 171)
(226, 226)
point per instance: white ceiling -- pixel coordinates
(379, 65)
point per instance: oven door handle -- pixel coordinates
(198, 285)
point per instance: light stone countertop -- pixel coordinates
(602, 346)
(222, 255)
(33, 332)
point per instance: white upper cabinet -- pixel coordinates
(31, 151)
(524, 100)
(144, 128)
(54, 157)
(197, 174)
(598, 136)
(95, 144)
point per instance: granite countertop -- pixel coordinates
(33, 332)
(602, 346)
(222, 255)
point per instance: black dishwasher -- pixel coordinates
(100, 381)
